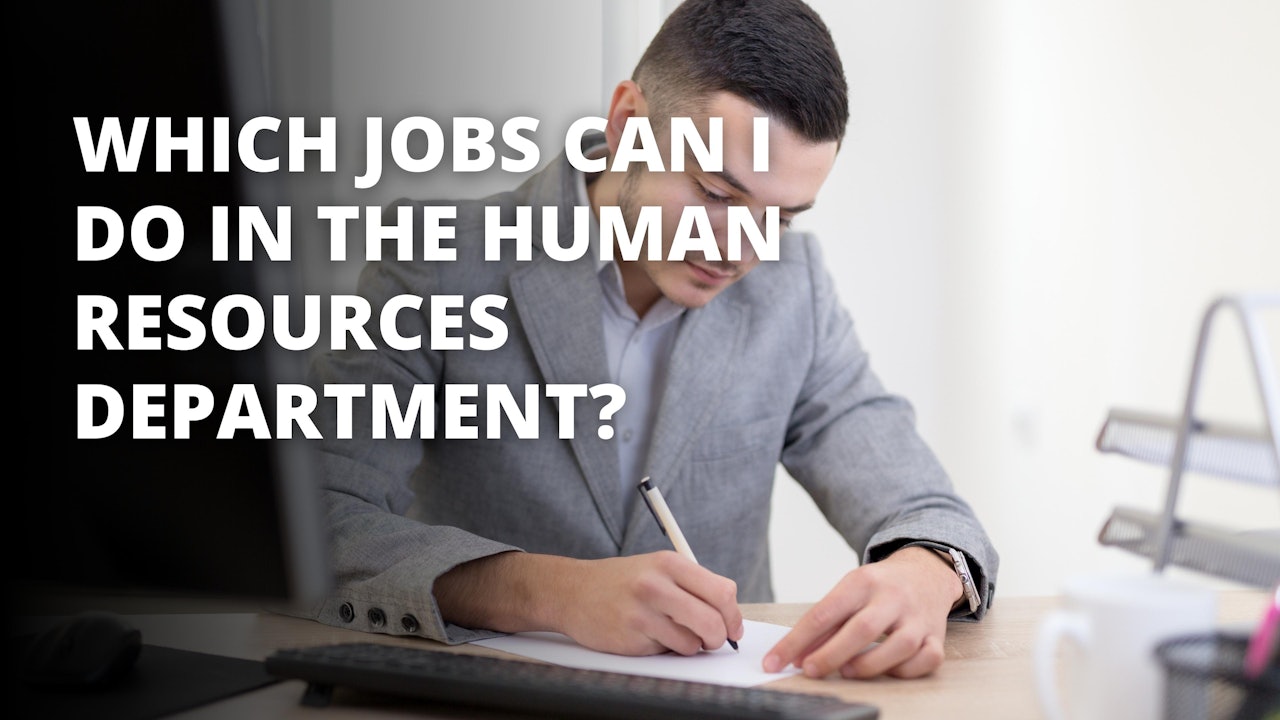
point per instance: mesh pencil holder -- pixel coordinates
(1205, 680)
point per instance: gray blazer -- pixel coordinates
(769, 371)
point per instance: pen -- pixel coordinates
(667, 523)
(1265, 642)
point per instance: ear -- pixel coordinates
(627, 102)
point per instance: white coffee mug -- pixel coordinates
(1115, 621)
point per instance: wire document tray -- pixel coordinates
(1246, 557)
(1187, 444)
(1238, 453)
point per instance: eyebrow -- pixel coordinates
(728, 177)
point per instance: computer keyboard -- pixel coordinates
(538, 689)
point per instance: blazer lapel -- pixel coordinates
(559, 306)
(709, 339)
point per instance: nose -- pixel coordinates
(745, 221)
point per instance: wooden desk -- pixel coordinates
(987, 673)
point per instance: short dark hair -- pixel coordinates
(776, 54)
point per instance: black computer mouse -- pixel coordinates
(92, 650)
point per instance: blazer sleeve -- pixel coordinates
(855, 449)
(385, 564)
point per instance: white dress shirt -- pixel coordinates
(639, 351)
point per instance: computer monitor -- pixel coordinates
(207, 518)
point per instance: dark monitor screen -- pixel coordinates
(201, 517)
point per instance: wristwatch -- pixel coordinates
(961, 565)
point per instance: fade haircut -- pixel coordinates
(776, 54)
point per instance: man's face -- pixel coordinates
(797, 169)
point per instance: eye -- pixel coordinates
(709, 194)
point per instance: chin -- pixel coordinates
(692, 297)
(679, 285)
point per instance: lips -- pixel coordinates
(711, 275)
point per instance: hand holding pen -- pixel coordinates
(667, 523)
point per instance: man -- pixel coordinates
(730, 367)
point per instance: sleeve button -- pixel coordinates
(377, 618)
(409, 623)
(346, 612)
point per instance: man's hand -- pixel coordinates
(902, 601)
(637, 605)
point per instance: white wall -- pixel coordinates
(1034, 204)
(1124, 172)
(1050, 194)
(1135, 176)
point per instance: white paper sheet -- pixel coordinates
(726, 666)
